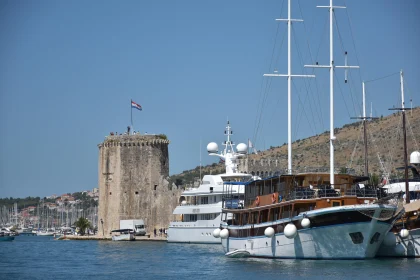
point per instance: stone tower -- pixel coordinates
(133, 172)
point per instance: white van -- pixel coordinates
(136, 225)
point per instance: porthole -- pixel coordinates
(356, 237)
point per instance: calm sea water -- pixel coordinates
(36, 257)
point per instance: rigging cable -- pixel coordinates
(351, 77)
(262, 100)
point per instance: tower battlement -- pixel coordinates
(134, 140)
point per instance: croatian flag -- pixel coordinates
(135, 105)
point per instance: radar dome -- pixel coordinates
(241, 148)
(212, 147)
(415, 157)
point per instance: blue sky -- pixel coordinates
(69, 69)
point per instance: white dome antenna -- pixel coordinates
(241, 148)
(212, 148)
(415, 157)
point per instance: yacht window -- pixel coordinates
(356, 237)
(375, 238)
(191, 218)
(205, 200)
(206, 217)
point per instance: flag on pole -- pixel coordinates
(135, 105)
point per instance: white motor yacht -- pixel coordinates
(200, 208)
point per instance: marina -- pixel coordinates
(99, 172)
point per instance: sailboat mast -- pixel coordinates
(403, 109)
(407, 189)
(332, 137)
(289, 83)
(289, 88)
(364, 131)
(331, 67)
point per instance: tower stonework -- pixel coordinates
(132, 179)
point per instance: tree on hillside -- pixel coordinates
(82, 224)
(178, 182)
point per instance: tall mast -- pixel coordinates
(200, 160)
(407, 189)
(364, 131)
(403, 109)
(289, 84)
(364, 119)
(331, 67)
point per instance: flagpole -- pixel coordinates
(131, 111)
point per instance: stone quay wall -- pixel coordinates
(132, 179)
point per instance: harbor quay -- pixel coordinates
(101, 238)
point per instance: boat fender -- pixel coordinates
(224, 233)
(216, 233)
(305, 223)
(269, 232)
(290, 231)
(390, 239)
(257, 201)
(404, 233)
(400, 250)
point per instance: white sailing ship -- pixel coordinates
(307, 215)
(200, 208)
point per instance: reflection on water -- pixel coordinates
(35, 257)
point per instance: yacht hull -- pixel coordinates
(356, 238)
(404, 247)
(201, 235)
(45, 233)
(124, 237)
(7, 238)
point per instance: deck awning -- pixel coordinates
(413, 206)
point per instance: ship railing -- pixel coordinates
(337, 170)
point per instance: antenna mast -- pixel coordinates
(289, 83)
(200, 161)
(332, 67)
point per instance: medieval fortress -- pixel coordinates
(132, 179)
